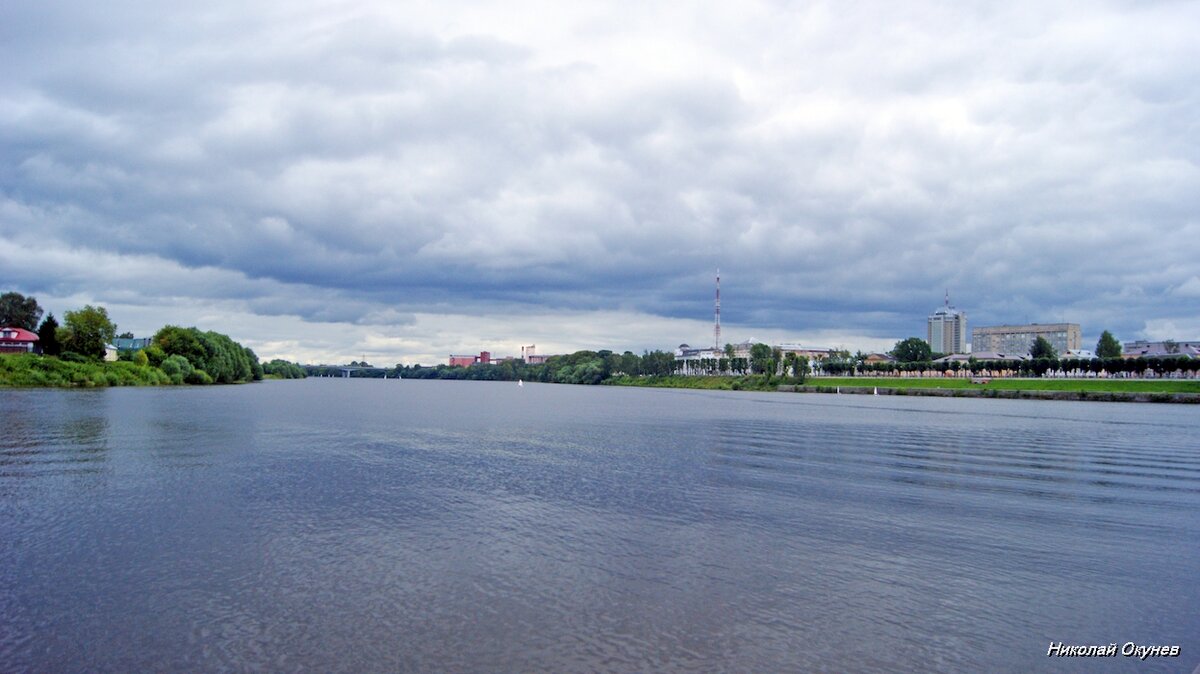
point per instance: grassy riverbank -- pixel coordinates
(1088, 385)
(29, 370)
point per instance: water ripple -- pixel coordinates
(452, 526)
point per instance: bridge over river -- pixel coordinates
(344, 370)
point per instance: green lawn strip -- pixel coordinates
(1090, 385)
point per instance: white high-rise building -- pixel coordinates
(947, 330)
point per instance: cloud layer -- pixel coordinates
(331, 179)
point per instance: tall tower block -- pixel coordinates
(717, 315)
(946, 329)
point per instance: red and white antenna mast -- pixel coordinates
(717, 315)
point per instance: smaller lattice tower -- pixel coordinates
(717, 315)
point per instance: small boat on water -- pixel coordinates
(520, 382)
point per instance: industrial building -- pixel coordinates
(530, 355)
(1018, 339)
(486, 358)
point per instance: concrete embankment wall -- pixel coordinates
(1103, 396)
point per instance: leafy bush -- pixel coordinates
(177, 368)
(33, 370)
(198, 377)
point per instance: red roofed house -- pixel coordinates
(17, 340)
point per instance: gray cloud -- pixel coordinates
(843, 164)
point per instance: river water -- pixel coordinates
(384, 525)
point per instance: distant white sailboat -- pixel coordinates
(876, 391)
(520, 382)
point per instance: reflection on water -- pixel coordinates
(354, 525)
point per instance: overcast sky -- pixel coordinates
(329, 180)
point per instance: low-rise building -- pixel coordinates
(691, 359)
(813, 353)
(981, 357)
(132, 344)
(17, 340)
(1164, 349)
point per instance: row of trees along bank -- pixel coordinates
(73, 353)
(581, 367)
(594, 367)
(1034, 367)
(914, 359)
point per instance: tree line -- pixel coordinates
(595, 367)
(581, 367)
(913, 355)
(1032, 367)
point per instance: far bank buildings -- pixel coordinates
(946, 331)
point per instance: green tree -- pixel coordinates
(154, 354)
(87, 331)
(285, 370)
(256, 371)
(1108, 346)
(176, 341)
(912, 350)
(1042, 349)
(19, 311)
(630, 364)
(760, 359)
(214, 356)
(657, 362)
(48, 336)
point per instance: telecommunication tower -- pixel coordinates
(717, 315)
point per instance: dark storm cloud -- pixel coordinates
(844, 164)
